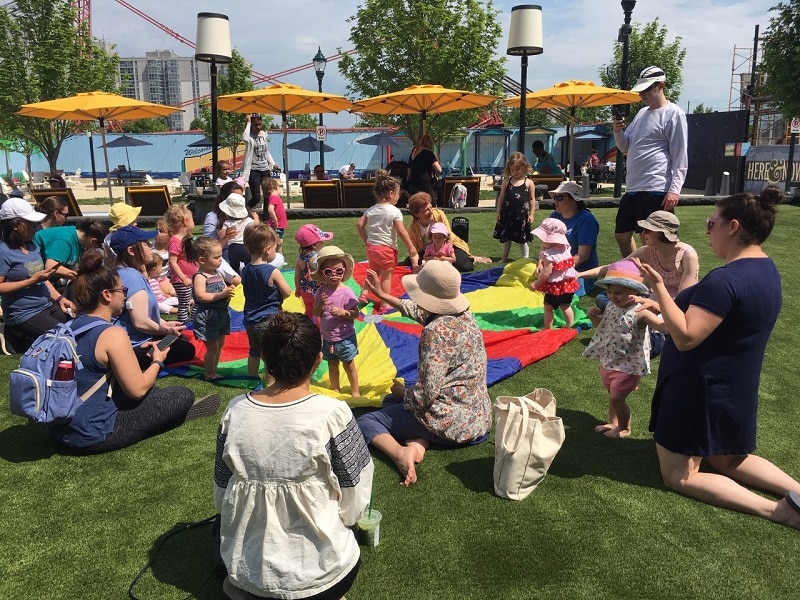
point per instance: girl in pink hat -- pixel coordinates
(557, 278)
(440, 247)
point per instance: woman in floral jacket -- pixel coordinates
(449, 404)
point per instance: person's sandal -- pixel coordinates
(205, 407)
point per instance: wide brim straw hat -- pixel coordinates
(437, 288)
(328, 253)
(624, 273)
(664, 222)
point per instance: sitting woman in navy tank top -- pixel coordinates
(132, 408)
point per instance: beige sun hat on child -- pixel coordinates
(327, 254)
(437, 288)
(234, 206)
(552, 231)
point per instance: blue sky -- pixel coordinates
(578, 37)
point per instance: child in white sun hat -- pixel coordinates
(557, 278)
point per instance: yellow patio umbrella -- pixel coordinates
(422, 99)
(571, 95)
(88, 106)
(283, 99)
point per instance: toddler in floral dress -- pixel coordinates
(621, 343)
(557, 278)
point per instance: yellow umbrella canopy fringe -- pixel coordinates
(88, 106)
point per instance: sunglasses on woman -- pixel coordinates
(337, 272)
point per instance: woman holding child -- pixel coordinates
(706, 398)
(449, 405)
(141, 317)
(423, 215)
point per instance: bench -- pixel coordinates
(128, 178)
(153, 199)
(321, 194)
(64, 193)
(357, 194)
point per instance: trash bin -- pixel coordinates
(460, 226)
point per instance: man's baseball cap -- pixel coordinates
(648, 77)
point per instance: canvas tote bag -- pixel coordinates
(528, 436)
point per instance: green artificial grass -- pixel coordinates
(601, 525)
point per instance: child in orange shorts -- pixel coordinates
(379, 227)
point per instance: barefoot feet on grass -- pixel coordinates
(419, 446)
(604, 427)
(404, 460)
(617, 433)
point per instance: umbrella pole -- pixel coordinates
(571, 174)
(127, 156)
(105, 155)
(286, 160)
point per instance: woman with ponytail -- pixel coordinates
(706, 399)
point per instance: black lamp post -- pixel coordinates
(524, 39)
(624, 38)
(319, 68)
(213, 45)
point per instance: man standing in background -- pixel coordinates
(655, 145)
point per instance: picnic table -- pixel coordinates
(127, 178)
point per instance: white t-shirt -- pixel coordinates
(380, 224)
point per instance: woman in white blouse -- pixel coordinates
(292, 476)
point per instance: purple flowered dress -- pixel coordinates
(450, 397)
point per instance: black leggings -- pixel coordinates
(22, 335)
(254, 181)
(159, 411)
(238, 257)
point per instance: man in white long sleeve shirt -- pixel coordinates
(655, 144)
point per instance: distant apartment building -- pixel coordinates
(164, 77)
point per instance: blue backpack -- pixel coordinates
(34, 392)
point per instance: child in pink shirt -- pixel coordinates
(276, 213)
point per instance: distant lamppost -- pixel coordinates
(213, 45)
(319, 68)
(524, 39)
(623, 38)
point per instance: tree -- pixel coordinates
(197, 123)
(44, 55)
(302, 121)
(146, 125)
(647, 46)
(401, 43)
(781, 60)
(702, 109)
(236, 77)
